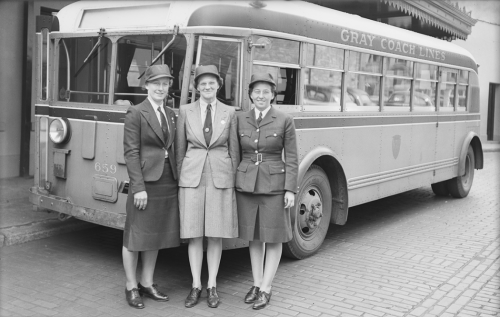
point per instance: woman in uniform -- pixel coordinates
(152, 221)
(266, 184)
(207, 157)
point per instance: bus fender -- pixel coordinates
(471, 139)
(330, 162)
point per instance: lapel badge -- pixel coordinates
(223, 122)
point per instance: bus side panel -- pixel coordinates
(423, 152)
(396, 154)
(361, 149)
(445, 150)
(307, 140)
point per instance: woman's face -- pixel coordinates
(158, 89)
(208, 86)
(262, 94)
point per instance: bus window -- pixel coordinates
(462, 90)
(134, 55)
(323, 78)
(286, 81)
(363, 81)
(425, 87)
(225, 53)
(447, 84)
(44, 62)
(324, 56)
(84, 67)
(278, 50)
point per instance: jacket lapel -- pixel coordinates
(149, 114)
(270, 116)
(194, 120)
(220, 120)
(251, 118)
(171, 125)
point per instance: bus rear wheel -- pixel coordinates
(311, 215)
(460, 186)
(440, 189)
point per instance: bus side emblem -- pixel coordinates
(396, 145)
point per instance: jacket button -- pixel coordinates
(256, 141)
(257, 130)
(282, 170)
(256, 163)
(256, 151)
(242, 134)
(275, 134)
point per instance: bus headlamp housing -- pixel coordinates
(59, 130)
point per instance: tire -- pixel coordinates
(440, 189)
(459, 187)
(310, 225)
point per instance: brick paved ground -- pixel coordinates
(413, 254)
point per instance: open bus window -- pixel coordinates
(286, 82)
(135, 54)
(83, 73)
(225, 54)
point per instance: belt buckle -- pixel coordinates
(259, 158)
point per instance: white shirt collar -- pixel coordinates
(204, 105)
(155, 105)
(257, 111)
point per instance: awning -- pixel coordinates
(443, 15)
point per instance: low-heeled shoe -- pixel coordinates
(134, 298)
(252, 295)
(153, 293)
(193, 297)
(212, 297)
(262, 300)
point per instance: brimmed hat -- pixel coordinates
(265, 77)
(206, 70)
(157, 71)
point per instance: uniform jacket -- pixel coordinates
(144, 145)
(192, 150)
(270, 143)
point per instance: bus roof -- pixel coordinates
(291, 17)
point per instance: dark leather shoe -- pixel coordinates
(252, 295)
(193, 297)
(262, 300)
(134, 298)
(212, 297)
(152, 292)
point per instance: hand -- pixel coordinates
(141, 200)
(289, 199)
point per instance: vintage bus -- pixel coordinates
(378, 110)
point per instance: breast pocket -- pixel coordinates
(277, 173)
(274, 140)
(245, 137)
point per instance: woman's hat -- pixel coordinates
(265, 77)
(157, 71)
(206, 70)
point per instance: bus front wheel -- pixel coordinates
(311, 214)
(459, 187)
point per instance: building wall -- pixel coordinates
(11, 57)
(484, 44)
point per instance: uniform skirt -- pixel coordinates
(206, 210)
(157, 226)
(263, 218)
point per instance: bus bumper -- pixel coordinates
(62, 205)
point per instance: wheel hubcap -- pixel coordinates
(310, 212)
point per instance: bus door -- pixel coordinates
(226, 54)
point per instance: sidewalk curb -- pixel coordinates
(25, 233)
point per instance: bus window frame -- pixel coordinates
(441, 70)
(240, 40)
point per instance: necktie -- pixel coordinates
(207, 128)
(164, 126)
(259, 119)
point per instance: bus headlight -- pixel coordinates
(59, 130)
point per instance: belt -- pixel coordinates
(262, 157)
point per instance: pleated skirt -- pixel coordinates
(157, 226)
(206, 210)
(263, 218)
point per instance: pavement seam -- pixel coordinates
(446, 308)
